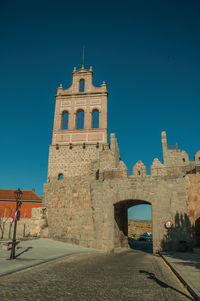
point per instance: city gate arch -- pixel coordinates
(135, 192)
(121, 220)
(166, 195)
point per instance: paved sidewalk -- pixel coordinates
(36, 251)
(186, 265)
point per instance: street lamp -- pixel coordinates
(18, 194)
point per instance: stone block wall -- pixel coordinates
(139, 169)
(70, 211)
(81, 159)
(71, 162)
(81, 210)
(192, 184)
(89, 206)
(177, 158)
(35, 226)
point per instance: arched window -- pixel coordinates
(183, 160)
(82, 85)
(60, 176)
(80, 119)
(95, 119)
(65, 118)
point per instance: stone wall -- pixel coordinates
(81, 210)
(175, 157)
(70, 213)
(36, 226)
(192, 184)
(80, 160)
(72, 162)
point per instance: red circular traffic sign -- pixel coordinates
(168, 224)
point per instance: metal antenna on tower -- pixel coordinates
(83, 57)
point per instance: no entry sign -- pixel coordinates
(168, 224)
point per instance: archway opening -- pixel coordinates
(82, 85)
(65, 120)
(60, 176)
(133, 225)
(80, 119)
(95, 119)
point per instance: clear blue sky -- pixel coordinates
(128, 44)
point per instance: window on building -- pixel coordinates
(65, 119)
(183, 159)
(60, 176)
(95, 119)
(82, 85)
(80, 119)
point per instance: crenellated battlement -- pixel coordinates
(176, 162)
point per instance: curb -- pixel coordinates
(184, 282)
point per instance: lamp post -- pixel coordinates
(18, 194)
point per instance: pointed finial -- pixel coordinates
(74, 69)
(83, 58)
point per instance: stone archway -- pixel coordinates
(121, 221)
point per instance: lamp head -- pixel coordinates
(18, 193)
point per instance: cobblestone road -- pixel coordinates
(130, 275)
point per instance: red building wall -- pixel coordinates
(8, 202)
(25, 209)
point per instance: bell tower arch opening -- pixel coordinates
(95, 119)
(80, 119)
(131, 229)
(82, 98)
(80, 126)
(65, 120)
(81, 85)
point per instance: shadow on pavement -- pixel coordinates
(145, 246)
(189, 259)
(26, 250)
(163, 284)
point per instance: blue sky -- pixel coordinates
(128, 44)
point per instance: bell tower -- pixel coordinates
(80, 127)
(81, 100)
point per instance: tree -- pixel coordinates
(5, 214)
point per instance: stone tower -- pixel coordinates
(74, 146)
(89, 190)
